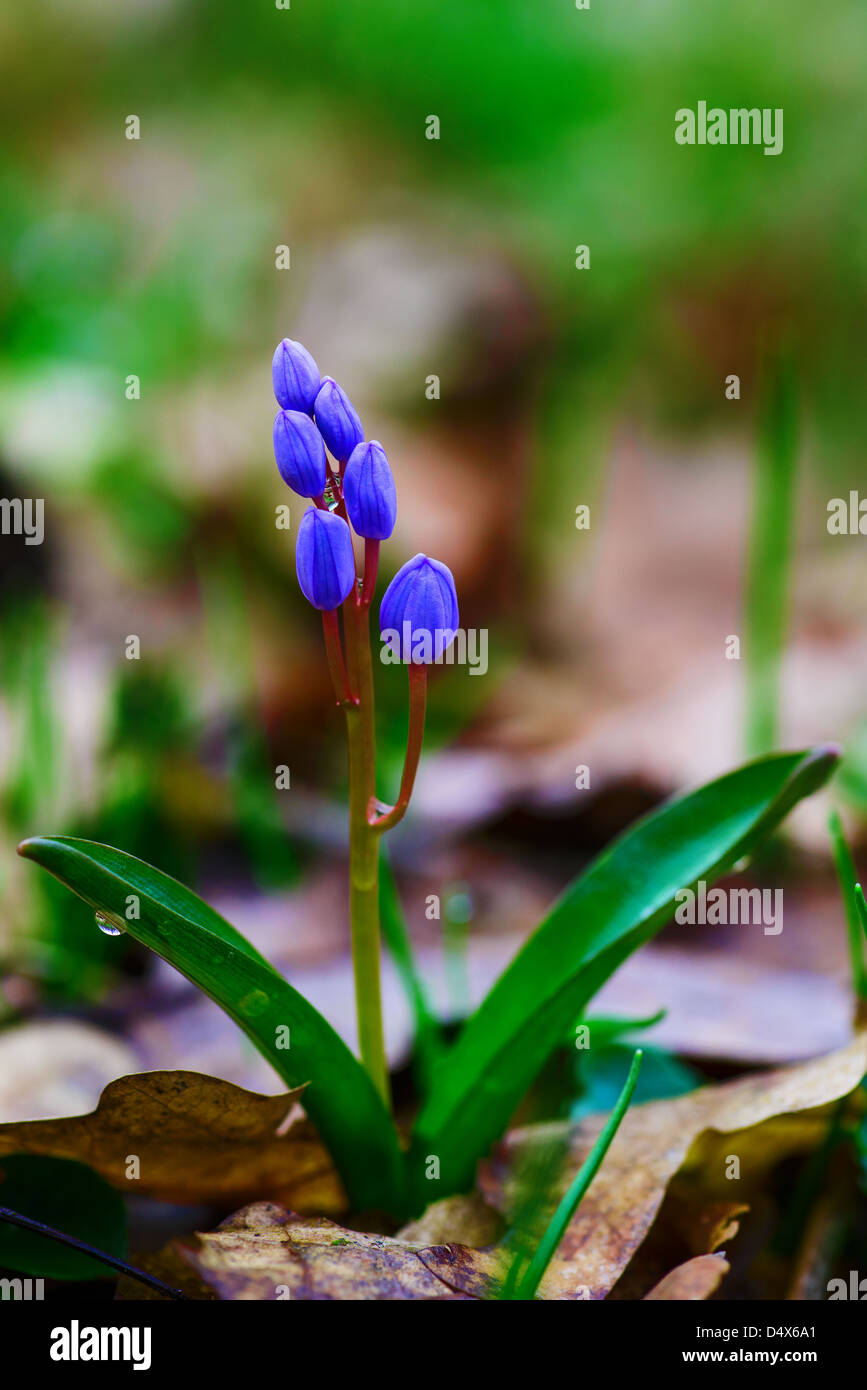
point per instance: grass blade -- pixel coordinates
(172, 921)
(846, 876)
(583, 1178)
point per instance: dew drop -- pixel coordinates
(107, 926)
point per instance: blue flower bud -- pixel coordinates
(300, 453)
(324, 560)
(295, 376)
(418, 615)
(337, 419)
(369, 493)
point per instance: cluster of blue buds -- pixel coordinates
(316, 414)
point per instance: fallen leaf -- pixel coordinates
(698, 1278)
(466, 1218)
(688, 1224)
(265, 1252)
(197, 1139)
(703, 1225)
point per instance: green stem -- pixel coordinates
(364, 848)
(768, 578)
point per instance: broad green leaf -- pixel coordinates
(172, 921)
(69, 1196)
(614, 906)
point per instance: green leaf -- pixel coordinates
(605, 1030)
(69, 1196)
(340, 1098)
(861, 905)
(615, 905)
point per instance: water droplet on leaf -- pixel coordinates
(106, 925)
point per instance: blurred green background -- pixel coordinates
(410, 257)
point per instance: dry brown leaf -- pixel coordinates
(694, 1133)
(267, 1253)
(698, 1278)
(466, 1219)
(687, 1224)
(198, 1139)
(704, 1225)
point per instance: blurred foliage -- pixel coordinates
(156, 258)
(25, 682)
(563, 133)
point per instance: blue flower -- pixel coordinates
(337, 419)
(324, 560)
(300, 453)
(418, 615)
(369, 492)
(295, 376)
